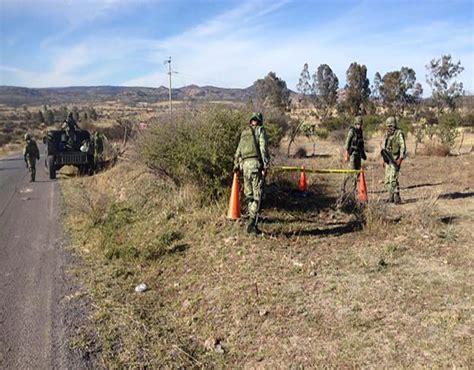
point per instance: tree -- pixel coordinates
(75, 113)
(376, 86)
(49, 117)
(357, 87)
(272, 92)
(303, 86)
(390, 89)
(441, 77)
(399, 89)
(40, 117)
(92, 114)
(325, 85)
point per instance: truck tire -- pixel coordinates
(51, 168)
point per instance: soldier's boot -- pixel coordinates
(33, 175)
(397, 199)
(257, 230)
(251, 226)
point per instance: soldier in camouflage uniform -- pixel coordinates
(98, 149)
(31, 154)
(354, 149)
(253, 158)
(394, 143)
(70, 126)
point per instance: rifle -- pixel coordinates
(388, 158)
(259, 206)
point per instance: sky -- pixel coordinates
(225, 43)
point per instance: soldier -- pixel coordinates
(394, 144)
(69, 126)
(98, 148)
(31, 154)
(354, 151)
(253, 157)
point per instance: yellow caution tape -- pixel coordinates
(309, 170)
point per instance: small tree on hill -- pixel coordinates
(399, 89)
(272, 92)
(304, 86)
(376, 86)
(357, 87)
(40, 117)
(49, 117)
(325, 85)
(441, 77)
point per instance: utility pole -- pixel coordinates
(169, 74)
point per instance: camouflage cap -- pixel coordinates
(257, 117)
(358, 120)
(27, 136)
(391, 122)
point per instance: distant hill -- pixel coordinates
(12, 95)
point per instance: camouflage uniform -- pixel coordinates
(70, 123)
(394, 143)
(355, 145)
(253, 157)
(31, 154)
(355, 150)
(98, 148)
(69, 126)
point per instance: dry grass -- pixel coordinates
(319, 288)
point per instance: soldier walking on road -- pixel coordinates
(394, 144)
(253, 158)
(31, 154)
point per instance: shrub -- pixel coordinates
(336, 123)
(199, 146)
(406, 125)
(301, 153)
(435, 149)
(371, 124)
(447, 131)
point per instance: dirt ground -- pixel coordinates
(387, 286)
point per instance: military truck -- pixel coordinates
(64, 149)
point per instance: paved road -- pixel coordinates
(33, 279)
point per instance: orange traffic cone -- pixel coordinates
(362, 188)
(234, 202)
(302, 185)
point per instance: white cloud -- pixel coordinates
(229, 54)
(241, 45)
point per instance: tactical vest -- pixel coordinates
(357, 141)
(248, 148)
(392, 144)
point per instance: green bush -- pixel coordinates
(406, 125)
(198, 147)
(371, 124)
(336, 123)
(447, 130)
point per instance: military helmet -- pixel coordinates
(358, 120)
(391, 122)
(257, 117)
(27, 136)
